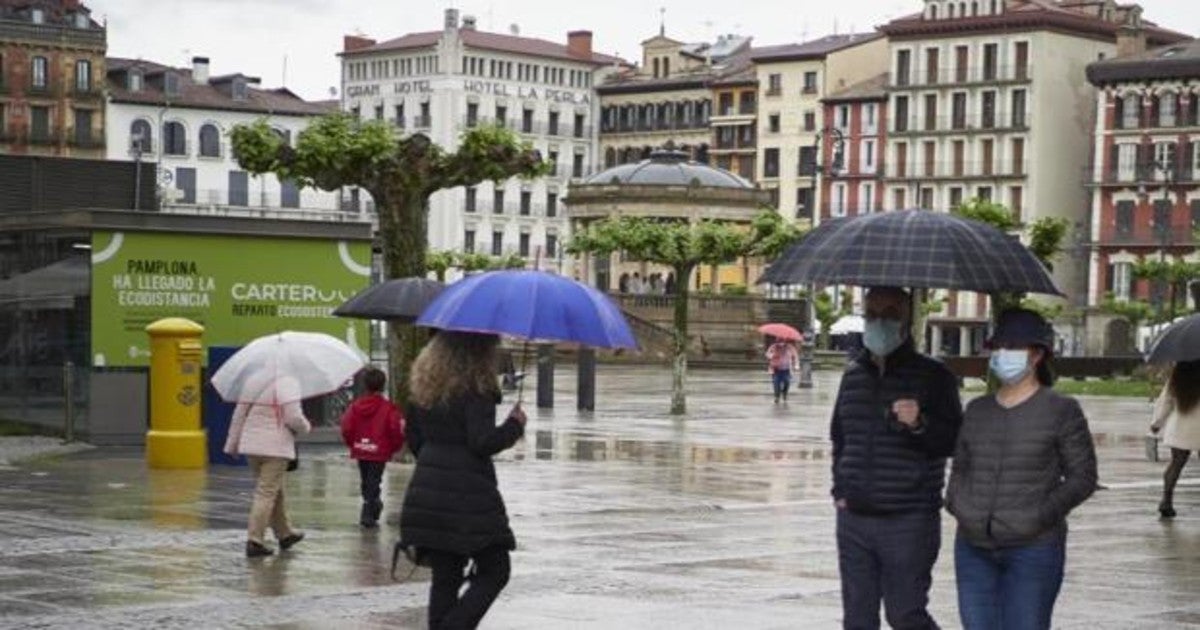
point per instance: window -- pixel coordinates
(810, 121)
(866, 198)
(527, 121)
(501, 116)
(1016, 200)
(40, 78)
(526, 203)
(37, 16)
(472, 114)
(1195, 215)
(843, 117)
(989, 110)
(810, 82)
(497, 243)
(174, 138)
(238, 89)
(1165, 153)
(551, 245)
(39, 124)
(958, 111)
(399, 113)
(1121, 279)
(1162, 217)
(171, 84)
(837, 207)
(379, 112)
(808, 161)
(577, 165)
(289, 194)
(984, 193)
(774, 84)
(771, 163)
(989, 62)
(725, 104)
(868, 156)
(869, 113)
(523, 245)
(1018, 109)
(1130, 112)
(931, 65)
(469, 241)
(773, 123)
(747, 103)
(185, 181)
(931, 109)
(580, 130)
(552, 158)
(1021, 55)
(470, 199)
(956, 197)
(83, 76)
(239, 188)
(141, 137)
(803, 203)
(1124, 219)
(498, 201)
(553, 124)
(210, 141)
(551, 204)
(1166, 110)
(1127, 155)
(903, 66)
(927, 198)
(133, 81)
(901, 113)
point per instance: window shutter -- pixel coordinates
(1118, 112)
(1110, 279)
(1114, 160)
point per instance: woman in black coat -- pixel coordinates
(453, 512)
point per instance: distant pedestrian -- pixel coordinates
(1024, 460)
(782, 358)
(453, 513)
(669, 284)
(373, 429)
(1177, 420)
(635, 284)
(264, 431)
(894, 423)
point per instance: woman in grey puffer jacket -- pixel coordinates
(1024, 460)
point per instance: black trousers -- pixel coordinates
(370, 478)
(448, 611)
(888, 558)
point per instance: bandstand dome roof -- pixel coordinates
(666, 167)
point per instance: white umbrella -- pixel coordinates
(847, 324)
(287, 367)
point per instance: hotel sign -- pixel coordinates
(496, 88)
(400, 87)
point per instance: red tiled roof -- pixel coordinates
(487, 41)
(205, 95)
(1032, 14)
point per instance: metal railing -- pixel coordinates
(85, 138)
(951, 169)
(961, 123)
(956, 76)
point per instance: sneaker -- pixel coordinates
(287, 542)
(257, 550)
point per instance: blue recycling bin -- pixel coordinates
(218, 414)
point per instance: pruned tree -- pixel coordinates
(401, 173)
(828, 313)
(684, 247)
(441, 262)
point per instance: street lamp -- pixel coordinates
(1162, 222)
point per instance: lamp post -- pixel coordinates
(1162, 223)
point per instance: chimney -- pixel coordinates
(468, 23)
(579, 43)
(451, 19)
(1131, 40)
(351, 43)
(200, 70)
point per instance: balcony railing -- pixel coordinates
(962, 124)
(959, 76)
(85, 138)
(44, 137)
(950, 169)
(1132, 175)
(53, 33)
(1190, 118)
(626, 126)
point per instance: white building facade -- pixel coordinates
(442, 83)
(180, 120)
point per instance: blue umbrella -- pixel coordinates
(530, 305)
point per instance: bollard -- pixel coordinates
(805, 379)
(68, 402)
(175, 438)
(586, 387)
(545, 376)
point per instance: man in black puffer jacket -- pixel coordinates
(894, 424)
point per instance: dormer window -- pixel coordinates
(171, 84)
(82, 20)
(37, 16)
(133, 81)
(239, 90)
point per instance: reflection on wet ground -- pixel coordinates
(626, 517)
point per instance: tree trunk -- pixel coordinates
(403, 226)
(679, 361)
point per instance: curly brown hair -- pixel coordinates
(453, 365)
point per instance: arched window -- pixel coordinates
(141, 137)
(666, 66)
(174, 138)
(933, 11)
(950, 10)
(210, 141)
(656, 67)
(974, 9)
(610, 157)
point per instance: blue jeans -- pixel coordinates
(782, 380)
(1008, 589)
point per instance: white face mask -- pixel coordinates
(1010, 366)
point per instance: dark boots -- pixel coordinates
(368, 517)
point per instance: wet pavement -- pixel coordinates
(626, 518)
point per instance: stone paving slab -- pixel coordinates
(627, 518)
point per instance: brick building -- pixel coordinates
(853, 168)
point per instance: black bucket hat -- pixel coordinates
(1022, 327)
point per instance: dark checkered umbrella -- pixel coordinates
(912, 248)
(1179, 342)
(395, 300)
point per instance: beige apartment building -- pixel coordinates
(990, 100)
(792, 80)
(666, 98)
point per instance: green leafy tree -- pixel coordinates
(684, 247)
(828, 313)
(439, 263)
(399, 172)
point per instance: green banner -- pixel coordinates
(238, 288)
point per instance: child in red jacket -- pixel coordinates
(373, 428)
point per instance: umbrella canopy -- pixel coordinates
(530, 305)
(848, 324)
(402, 299)
(287, 367)
(912, 248)
(1179, 342)
(781, 331)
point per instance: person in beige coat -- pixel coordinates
(1177, 420)
(265, 432)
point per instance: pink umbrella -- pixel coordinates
(781, 331)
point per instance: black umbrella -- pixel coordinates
(912, 248)
(394, 300)
(1179, 342)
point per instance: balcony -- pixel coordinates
(950, 170)
(1189, 118)
(926, 125)
(215, 202)
(44, 137)
(86, 93)
(774, 91)
(55, 34)
(85, 138)
(1131, 175)
(962, 77)
(1149, 234)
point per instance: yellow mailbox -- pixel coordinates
(175, 439)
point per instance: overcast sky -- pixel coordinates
(254, 36)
